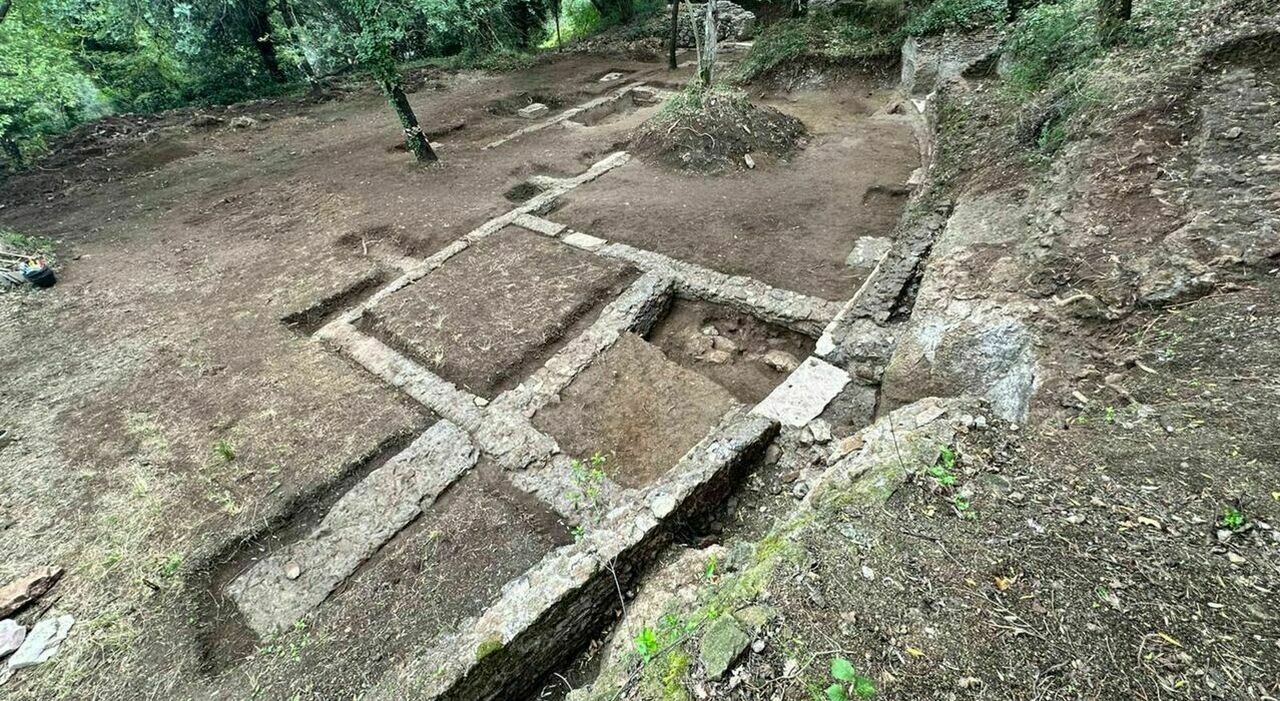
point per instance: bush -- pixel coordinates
(823, 36)
(1050, 39)
(944, 15)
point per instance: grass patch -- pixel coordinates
(822, 37)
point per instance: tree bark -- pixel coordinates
(413, 136)
(260, 28)
(559, 45)
(1112, 16)
(675, 34)
(291, 26)
(707, 61)
(5, 5)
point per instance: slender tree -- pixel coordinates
(707, 56)
(378, 26)
(675, 34)
(4, 8)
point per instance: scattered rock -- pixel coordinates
(204, 121)
(534, 110)
(820, 430)
(867, 252)
(724, 343)
(717, 356)
(292, 571)
(243, 122)
(757, 646)
(22, 591)
(610, 77)
(12, 634)
(43, 642)
(772, 454)
(1234, 133)
(721, 645)
(780, 360)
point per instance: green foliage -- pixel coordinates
(848, 682)
(1233, 519)
(1050, 39)
(647, 643)
(587, 477)
(944, 471)
(819, 36)
(943, 15)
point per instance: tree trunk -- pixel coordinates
(11, 151)
(260, 28)
(1112, 16)
(675, 34)
(5, 5)
(559, 46)
(291, 26)
(707, 60)
(413, 136)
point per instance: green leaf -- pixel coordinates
(843, 670)
(864, 688)
(835, 692)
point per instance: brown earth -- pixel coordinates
(683, 337)
(789, 224)
(1094, 558)
(497, 311)
(162, 409)
(638, 409)
(447, 565)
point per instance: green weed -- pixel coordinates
(225, 450)
(848, 683)
(1233, 519)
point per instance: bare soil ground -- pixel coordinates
(848, 182)
(495, 312)
(1097, 556)
(448, 564)
(640, 410)
(688, 335)
(162, 408)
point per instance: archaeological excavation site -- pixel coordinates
(608, 350)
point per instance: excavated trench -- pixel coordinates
(478, 559)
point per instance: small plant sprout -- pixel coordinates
(709, 571)
(944, 471)
(225, 450)
(1109, 414)
(1233, 519)
(587, 477)
(647, 643)
(848, 683)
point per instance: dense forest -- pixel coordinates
(64, 62)
(67, 62)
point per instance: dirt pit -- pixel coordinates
(495, 312)
(640, 410)
(448, 565)
(791, 225)
(609, 111)
(511, 104)
(741, 353)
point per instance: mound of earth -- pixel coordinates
(716, 132)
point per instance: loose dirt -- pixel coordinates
(498, 310)
(739, 352)
(789, 224)
(638, 409)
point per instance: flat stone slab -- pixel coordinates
(286, 585)
(495, 312)
(537, 109)
(642, 411)
(803, 395)
(42, 643)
